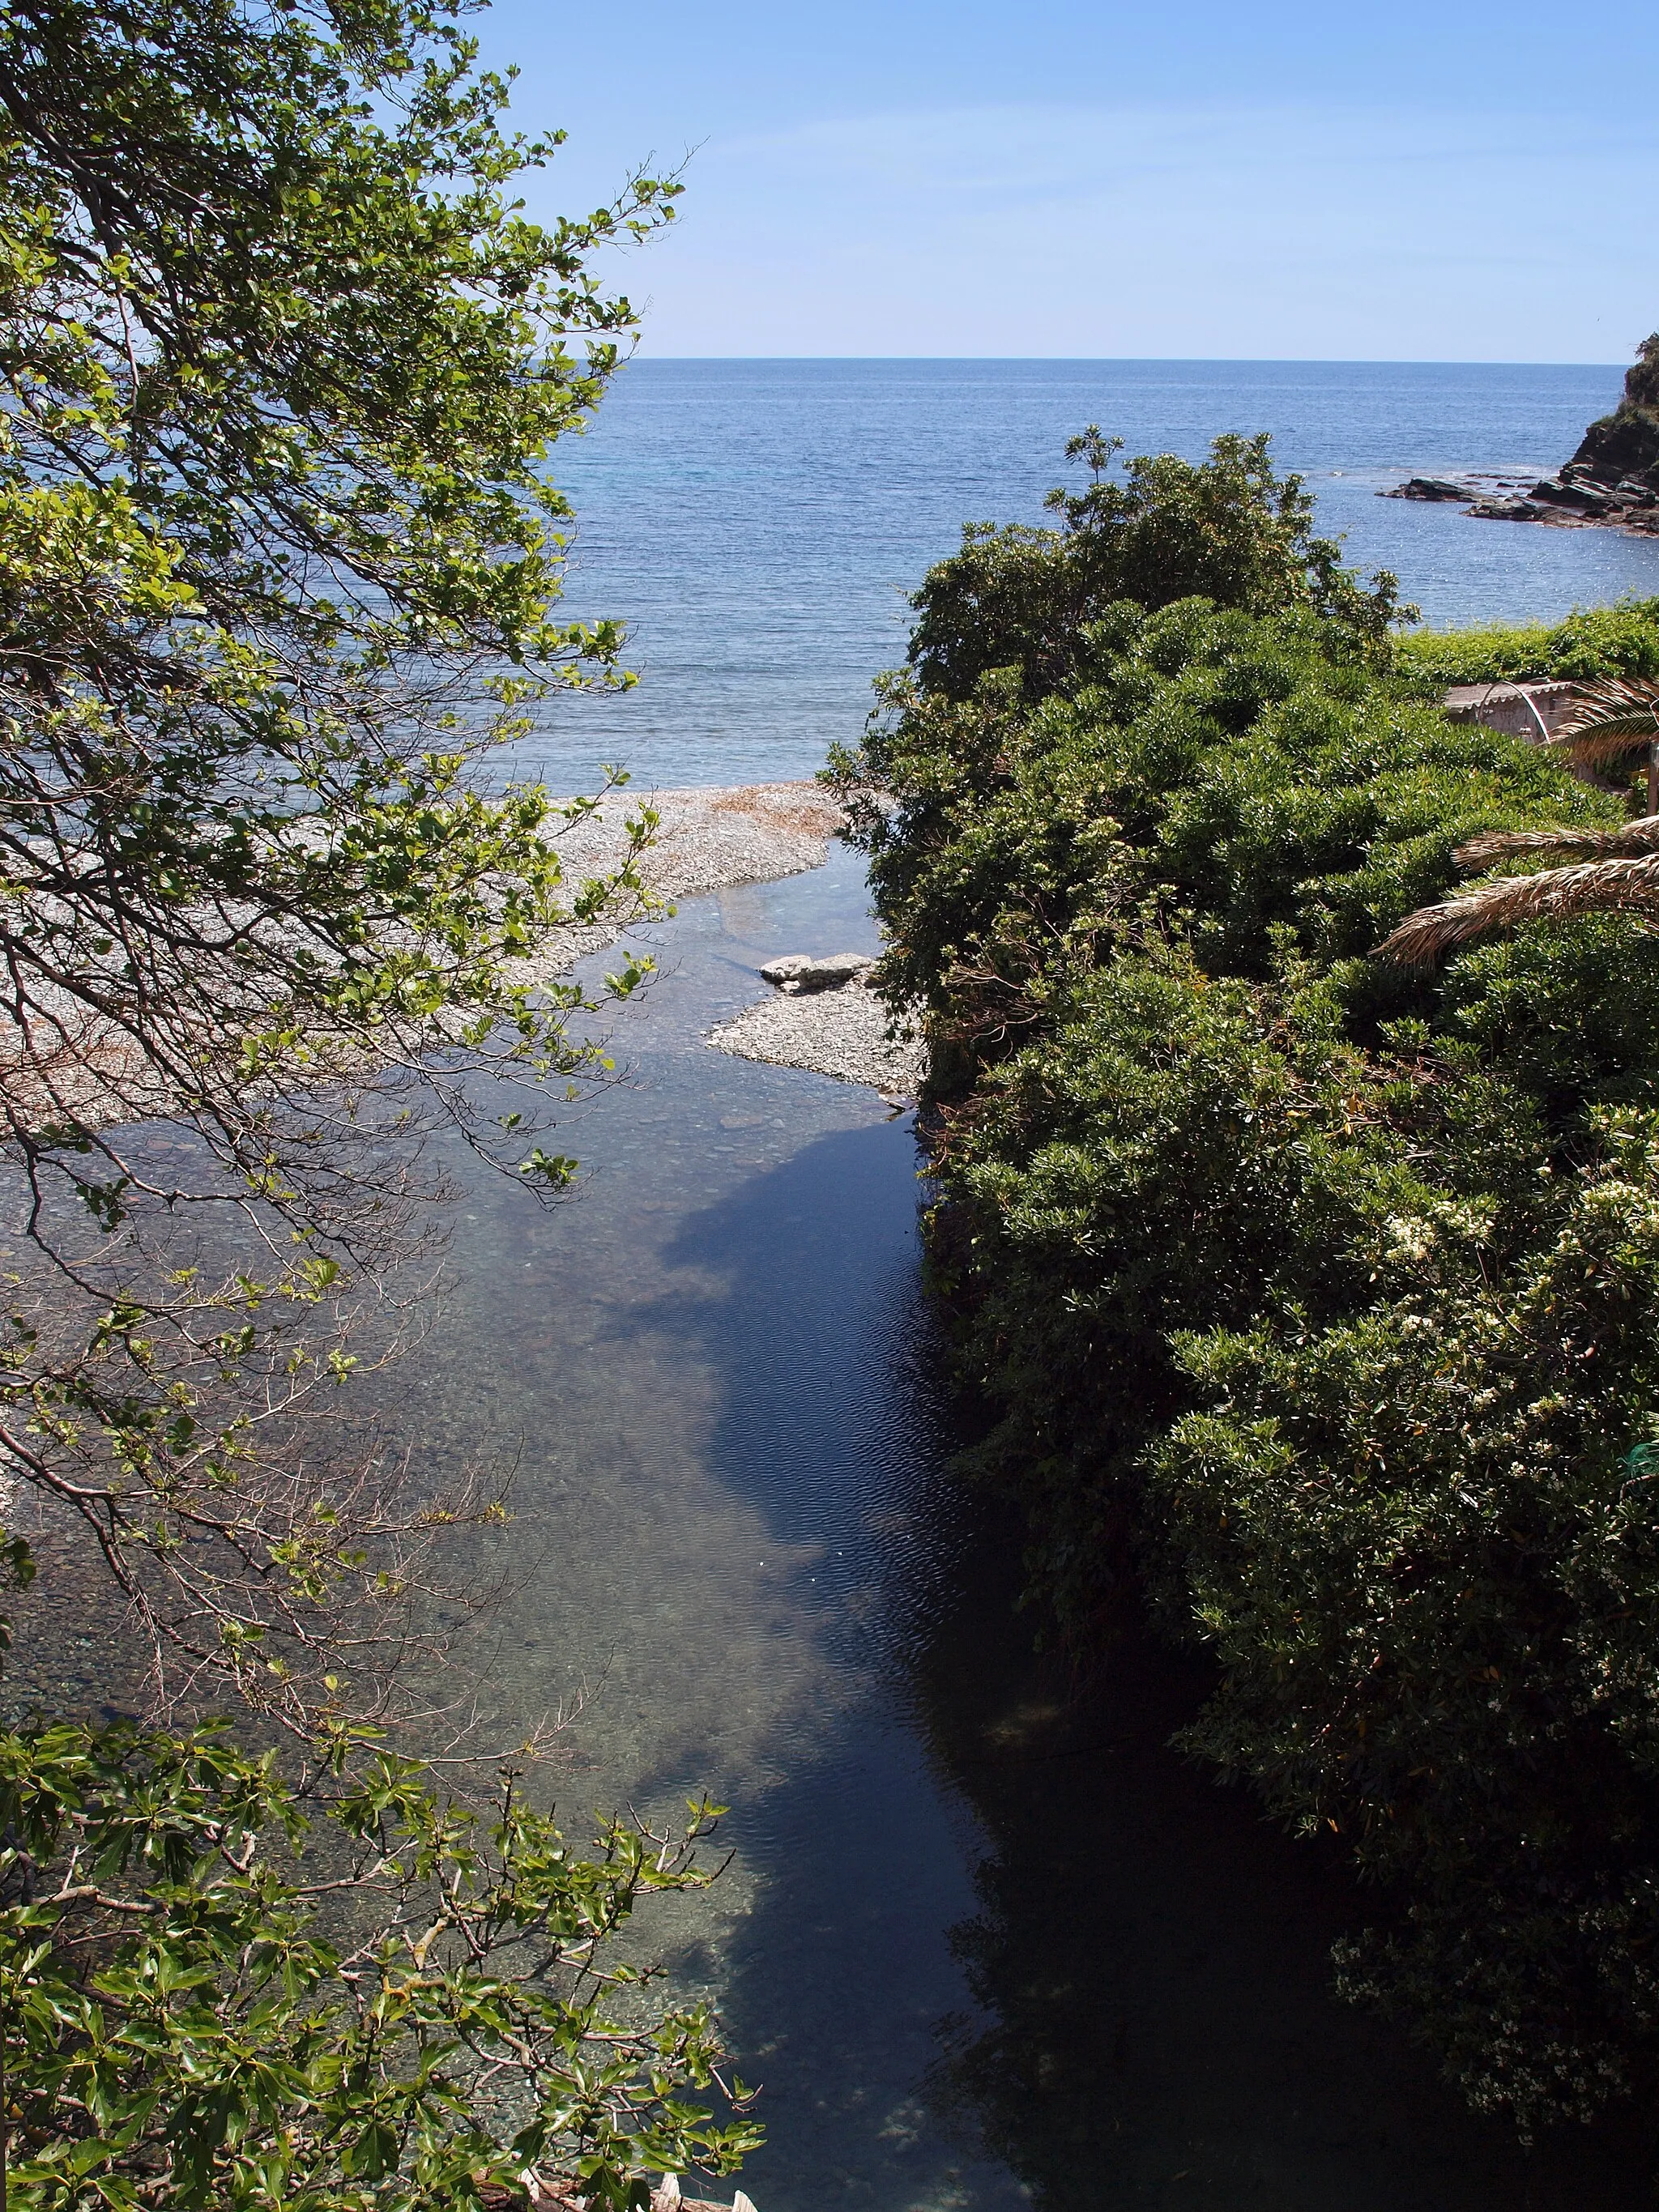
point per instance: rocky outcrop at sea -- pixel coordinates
(1612, 481)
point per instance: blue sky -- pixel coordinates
(1465, 181)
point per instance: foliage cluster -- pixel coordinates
(1315, 1296)
(1593, 644)
(281, 360)
(223, 1985)
(1229, 528)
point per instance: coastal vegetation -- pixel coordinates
(283, 363)
(1593, 644)
(1311, 1295)
(283, 360)
(1312, 1292)
(421, 2011)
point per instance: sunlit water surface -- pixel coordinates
(759, 524)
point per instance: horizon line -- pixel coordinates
(1126, 361)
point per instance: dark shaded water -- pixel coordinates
(985, 1941)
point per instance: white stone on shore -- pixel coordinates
(823, 1018)
(799, 971)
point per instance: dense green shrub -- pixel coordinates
(1229, 529)
(1591, 643)
(1318, 1298)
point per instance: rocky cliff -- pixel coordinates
(1614, 477)
(1626, 444)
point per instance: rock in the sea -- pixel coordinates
(1429, 488)
(1612, 480)
(1513, 510)
(1568, 490)
(798, 971)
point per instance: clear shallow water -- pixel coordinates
(986, 1940)
(759, 523)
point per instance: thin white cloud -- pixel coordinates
(1021, 150)
(1295, 231)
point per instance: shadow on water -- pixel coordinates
(1005, 1946)
(1149, 1961)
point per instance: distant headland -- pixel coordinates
(1613, 480)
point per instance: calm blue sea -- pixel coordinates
(758, 523)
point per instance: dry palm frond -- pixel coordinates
(1603, 748)
(1636, 837)
(1553, 895)
(1620, 712)
(1608, 722)
(1619, 871)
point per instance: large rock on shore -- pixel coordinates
(1612, 479)
(826, 1018)
(798, 971)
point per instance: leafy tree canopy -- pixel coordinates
(1229, 530)
(1313, 1297)
(223, 1985)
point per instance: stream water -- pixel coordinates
(985, 1940)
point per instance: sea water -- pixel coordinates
(985, 1940)
(759, 524)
